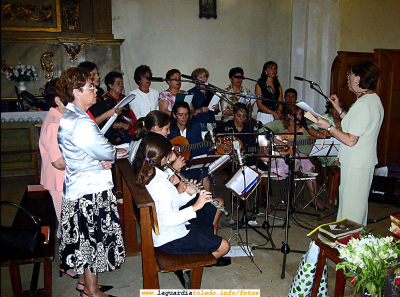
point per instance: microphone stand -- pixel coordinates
(315, 87)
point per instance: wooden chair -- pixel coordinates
(153, 259)
(39, 203)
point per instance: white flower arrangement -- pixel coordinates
(21, 73)
(367, 259)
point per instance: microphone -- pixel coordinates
(157, 79)
(238, 152)
(303, 79)
(187, 76)
(239, 77)
(211, 133)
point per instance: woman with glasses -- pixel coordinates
(166, 100)
(123, 127)
(269, 88)
(146, 98)
(99, 111)
(359, 136)
(91, 237)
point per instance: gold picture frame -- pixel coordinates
(14, 15)
(208, 9)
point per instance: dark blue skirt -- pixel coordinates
(201, 238)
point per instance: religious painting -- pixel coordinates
(208, 9)
(31, 15)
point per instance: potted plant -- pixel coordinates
(21, 74)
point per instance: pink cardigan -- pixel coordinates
(51, 177)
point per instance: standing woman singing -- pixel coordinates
(91, 236)
(359, 136)
(269, 88)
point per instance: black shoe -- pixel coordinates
(102, 288)
(83, 293)
(222, 262)
(184, 278)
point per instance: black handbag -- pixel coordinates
(21, 242)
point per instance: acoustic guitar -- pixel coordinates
(185, 148)
(287, 147)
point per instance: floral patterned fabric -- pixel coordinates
(91, 235)
(167, 95)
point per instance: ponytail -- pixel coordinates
(153, 148)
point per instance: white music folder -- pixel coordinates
(120, 104)
(330, 148)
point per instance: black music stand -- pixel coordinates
(242, 187)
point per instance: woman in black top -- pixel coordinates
(269, 87)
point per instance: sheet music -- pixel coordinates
(184, 97)
(331, 146)
(214, 100)
(236, 183)
(307, 107)
(120, 104)
(219, 162)
(244, 99)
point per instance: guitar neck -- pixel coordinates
(302, 141)
(194, 146)
(255, 149)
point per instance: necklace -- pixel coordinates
(363, 93)
(173, 93)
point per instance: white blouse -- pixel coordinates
(171, 220)
(144, 102)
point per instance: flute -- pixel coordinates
(213, 201)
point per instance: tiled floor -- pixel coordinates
(242, 273)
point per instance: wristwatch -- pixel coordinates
(341, 111)
(329, 128)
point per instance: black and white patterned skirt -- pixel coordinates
(91, 235)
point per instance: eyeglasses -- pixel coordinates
(92, 87)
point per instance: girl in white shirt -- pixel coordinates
(177, 234)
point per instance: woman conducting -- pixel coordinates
(91, 236)
(359, 135)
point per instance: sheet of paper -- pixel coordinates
(188, 99)
(214, 100)
(330, 145)
(307, 107)
(236, 251)
(244, 100)
(120, 104)
(236, 183)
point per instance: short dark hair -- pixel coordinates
(235, 70)
(238, 106)
(89, 66)
(140, 71)
(50, 92)
(290, 90)
(171, 72)
(367, 71)
(110, 78)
